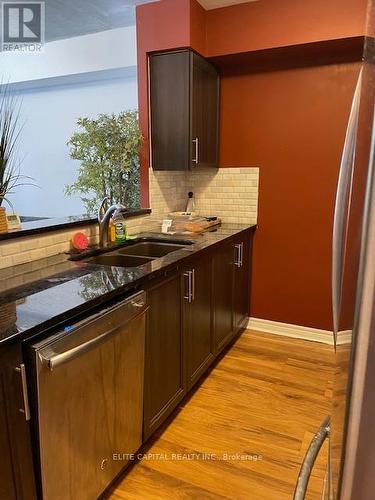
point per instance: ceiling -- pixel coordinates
(70, 18)
(215, 4)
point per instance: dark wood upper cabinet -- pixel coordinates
(184, 102)
(198, 318)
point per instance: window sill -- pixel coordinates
(49, 225)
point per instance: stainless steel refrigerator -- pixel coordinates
(350, 428)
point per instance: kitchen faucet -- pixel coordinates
(104, 216)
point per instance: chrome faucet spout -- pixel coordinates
(104, 223)
(102, 209)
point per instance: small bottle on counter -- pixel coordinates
(190, 206)
(120, 229)
(111, 231)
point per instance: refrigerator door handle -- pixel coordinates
(309, 460)
(341, 207)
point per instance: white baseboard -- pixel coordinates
(298, 332)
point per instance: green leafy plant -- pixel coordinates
(108, 149)
(10, 130)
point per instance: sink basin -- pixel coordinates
(118, 260)
(140, 252)
(150, 249)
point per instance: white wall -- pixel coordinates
(92, 75)
(51, 115)
(99, 51)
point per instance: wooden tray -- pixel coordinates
(196, 226)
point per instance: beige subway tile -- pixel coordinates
(21, 258)
(10, 248)
(6, 262)
(37, 254)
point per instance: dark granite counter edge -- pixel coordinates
(72, 315)
(49, 225)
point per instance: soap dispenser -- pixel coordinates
(119, 222)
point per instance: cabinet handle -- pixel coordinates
(190, 294)
(187, 295)
(26, 407)
(237, 261)
(196, 159)
(241, 254)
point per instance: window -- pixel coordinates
(78, 102)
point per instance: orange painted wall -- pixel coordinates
(275, 23)
(160, 25)
(291, 124)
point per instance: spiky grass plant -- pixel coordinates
(10, 130)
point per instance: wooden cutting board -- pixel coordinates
(198, 226)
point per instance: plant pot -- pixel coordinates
(3, 221)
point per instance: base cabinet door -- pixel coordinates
(198, 318)
(164, 362)
(242, 279)
(17, 480)
(222, 281)
(7, 486)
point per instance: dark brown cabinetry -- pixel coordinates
(231, 286)
(223, 275)
(165, 358)
(198, 318)
(242, 281)
(184, 97)
(193, 315)
(16, 472)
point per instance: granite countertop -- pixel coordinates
(55, 290)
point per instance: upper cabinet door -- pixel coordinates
(205, 85)
(184, 108)
(170, 110)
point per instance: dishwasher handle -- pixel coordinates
(137, 307)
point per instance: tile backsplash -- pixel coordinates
(229, 193)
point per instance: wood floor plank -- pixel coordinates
(265, 398)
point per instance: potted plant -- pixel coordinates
(108, 149)
(10, 129)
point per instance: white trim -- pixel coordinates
(298, 332)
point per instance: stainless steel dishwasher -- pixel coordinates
(89, 381)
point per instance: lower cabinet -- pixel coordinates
(242, 281)
(17, 471)
(165, 358)
(222, 285)
(193, 315)
(197, 314)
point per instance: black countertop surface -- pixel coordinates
(37, 296)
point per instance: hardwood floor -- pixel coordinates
(264, 399)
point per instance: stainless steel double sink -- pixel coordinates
(137, 254)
